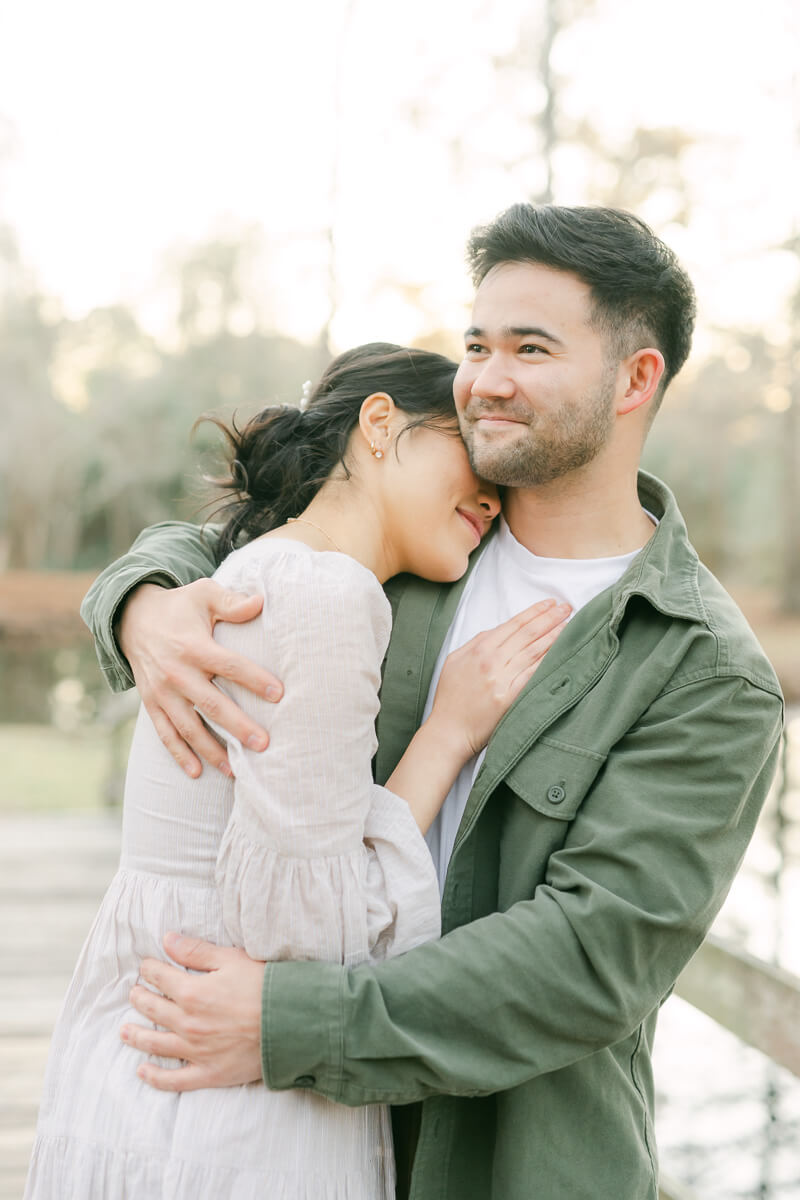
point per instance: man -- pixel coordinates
(584, 857)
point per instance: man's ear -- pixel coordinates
(377, 421)
(642, 373)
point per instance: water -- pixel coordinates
(728, 1120)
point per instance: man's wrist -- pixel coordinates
(162, 581)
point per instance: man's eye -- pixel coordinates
(474, 348)
(530, 349)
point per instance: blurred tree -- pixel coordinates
(36, 433)
(790, 443)
(716, 440)
(94, 442)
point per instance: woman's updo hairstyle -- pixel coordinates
(282, 457)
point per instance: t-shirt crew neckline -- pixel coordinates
(536, 564)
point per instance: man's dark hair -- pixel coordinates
(641, 295)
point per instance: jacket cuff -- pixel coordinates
(301, 1027)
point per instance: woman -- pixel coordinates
(300, 855)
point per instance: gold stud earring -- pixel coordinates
(376, 450)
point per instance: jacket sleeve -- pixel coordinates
(169, 554)
(626, 901)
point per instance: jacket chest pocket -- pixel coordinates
(544, 793)
(553, 778)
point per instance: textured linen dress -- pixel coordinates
(301, 857)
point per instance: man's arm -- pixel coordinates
(626, 902)
(152, 613)
(170, 554)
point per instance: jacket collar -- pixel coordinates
(665, 572)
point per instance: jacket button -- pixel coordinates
(305, 1081)
(556, 794)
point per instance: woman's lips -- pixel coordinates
(475, 524)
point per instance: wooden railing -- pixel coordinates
(758, 1002)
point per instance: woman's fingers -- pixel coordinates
(522, 666)
(519, 642)
(532, 632)
(529, 624)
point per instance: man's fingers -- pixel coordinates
(158, 1009)
(192, 953)
(227, 605)
(153, 1041)
(186, 736)
(195, 735)
(219, 708)
(177, 1079)
(222, 604)
(169, 735)
(239, 669)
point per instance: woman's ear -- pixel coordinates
(644, 370)
(377, 421)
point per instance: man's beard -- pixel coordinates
(554, 446)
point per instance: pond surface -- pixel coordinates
(728, 1120)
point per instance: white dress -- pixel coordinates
(302, 857)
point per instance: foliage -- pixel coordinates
(97, 415)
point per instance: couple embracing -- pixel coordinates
(575, 735)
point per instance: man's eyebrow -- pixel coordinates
(510, 331)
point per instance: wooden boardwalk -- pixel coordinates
(53, 870)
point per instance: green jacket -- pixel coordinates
(610, 815)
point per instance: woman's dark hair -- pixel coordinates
(641, 296)
(282, 457)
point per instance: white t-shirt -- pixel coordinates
(507, 579)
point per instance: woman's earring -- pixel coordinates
(376, 450)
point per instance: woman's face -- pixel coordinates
(438, 510)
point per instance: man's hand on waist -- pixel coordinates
(211, 1020)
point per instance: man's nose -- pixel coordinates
(488, 500)
(493, 379)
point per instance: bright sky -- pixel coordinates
(137, 128)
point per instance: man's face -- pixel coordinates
(535, 392)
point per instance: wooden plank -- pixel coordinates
(758, 1002)
(53, 871)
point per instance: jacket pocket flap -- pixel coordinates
(553, 777)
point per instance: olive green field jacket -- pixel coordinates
(610, 815)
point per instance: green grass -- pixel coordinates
(43, 768)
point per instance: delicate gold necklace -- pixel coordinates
(319, 529)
